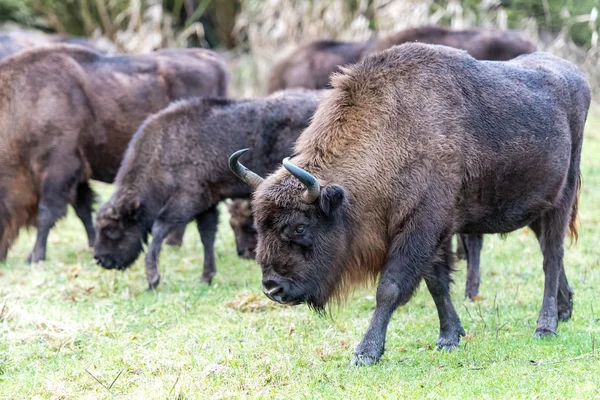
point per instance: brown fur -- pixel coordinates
(67, 116)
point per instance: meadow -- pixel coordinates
(69, 329)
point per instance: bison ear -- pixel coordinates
(331, 198)
(134, 210)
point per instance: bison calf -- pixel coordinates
(67, 115)
(175, 171)
(391, 167)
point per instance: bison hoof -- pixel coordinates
(361, 360)
(450, 339)
(206, 279)
(34, 259)
(544, 332)
(152, 285)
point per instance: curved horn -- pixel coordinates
(313, 187)
(252, 179)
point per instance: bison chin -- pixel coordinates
(119, 259)
(293, 292)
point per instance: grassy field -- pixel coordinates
(69, 329)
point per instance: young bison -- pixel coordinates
(67, 115)
(391, 167)
(175, 171)
(310, 65)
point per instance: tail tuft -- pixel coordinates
(573, 234)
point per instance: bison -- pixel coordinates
(175, 171)
(67, 115)
(411, 146)
(311, 65)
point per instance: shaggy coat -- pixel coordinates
(311, 65)
(411, 146)
(175, 170)
(67, 115)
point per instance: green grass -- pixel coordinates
(65, 320)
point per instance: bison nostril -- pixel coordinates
(270, 287)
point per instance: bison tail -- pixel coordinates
(573, 234)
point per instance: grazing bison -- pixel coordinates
(175, 171)
(391, 167)
(310, 65)
(67, 115)
(242, 223)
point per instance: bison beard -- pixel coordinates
(499, 150)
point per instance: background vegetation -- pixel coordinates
(255, 33)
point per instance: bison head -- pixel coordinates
(242, 223)
(119, 234)
(304, 232)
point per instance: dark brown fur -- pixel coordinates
(404, 165)
(68, 114)
(311, 65)
(176, 170)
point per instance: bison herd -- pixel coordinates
(390, 147)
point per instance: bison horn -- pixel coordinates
(313, 188)
(253, 180)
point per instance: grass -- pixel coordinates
(69, 329)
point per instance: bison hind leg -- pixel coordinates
(207, 223)
(438, 283)
(84, 206)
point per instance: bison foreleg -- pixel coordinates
(160, 230)
(207, 227)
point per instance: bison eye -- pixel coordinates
(112, 233)
(300, 229)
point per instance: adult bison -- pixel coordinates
(310, 65)
(391, 167)
(67, 115)
(175, 171)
